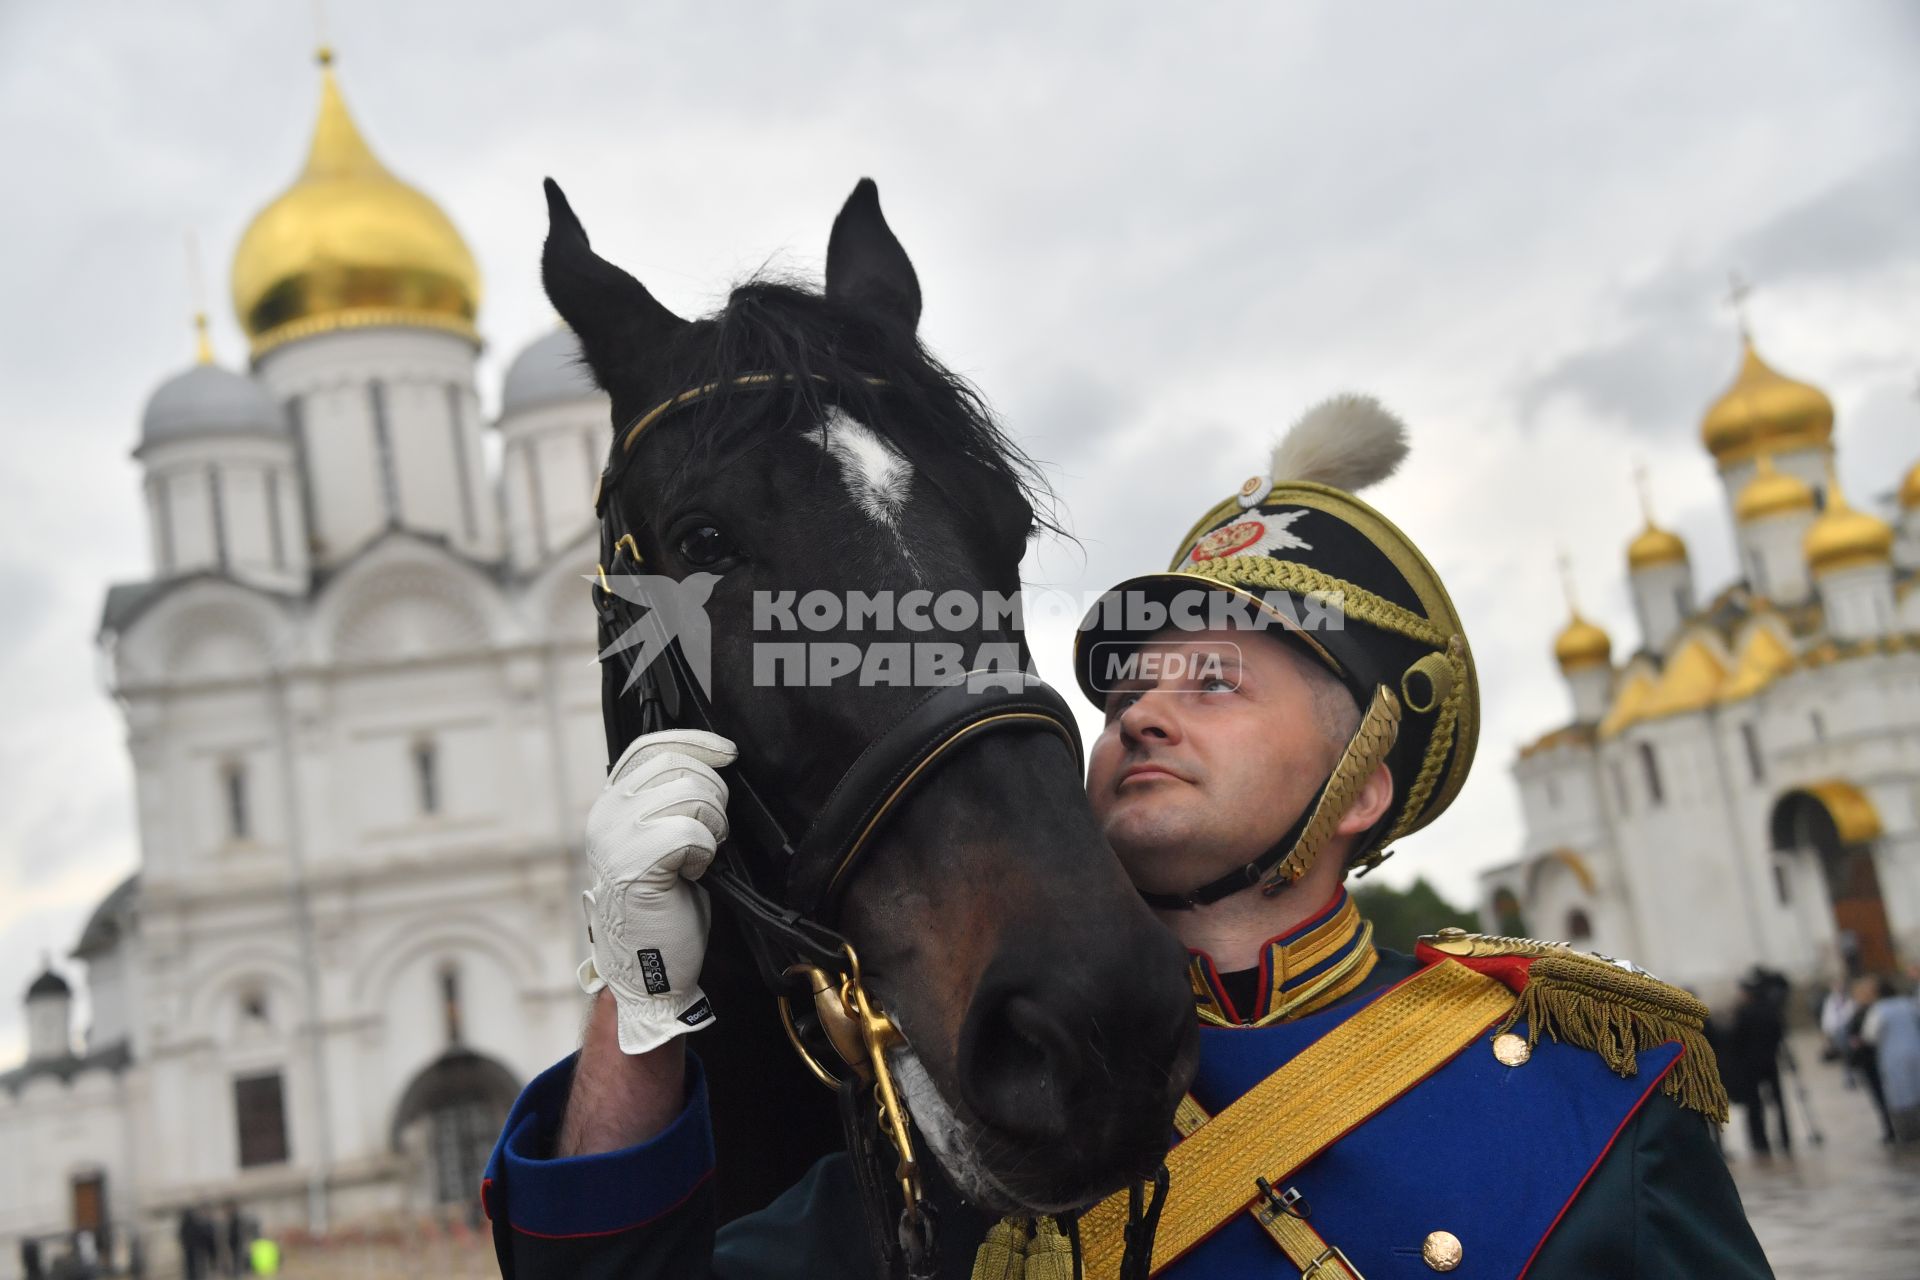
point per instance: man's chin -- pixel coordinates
(1153, 857)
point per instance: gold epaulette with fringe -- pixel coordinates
(1597, 1003)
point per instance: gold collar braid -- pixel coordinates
(1345, 938)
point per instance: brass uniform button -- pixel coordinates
(1252, 492)
(1512, 1051)
(1441, 1250)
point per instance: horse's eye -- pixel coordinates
(704, 546)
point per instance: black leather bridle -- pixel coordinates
(786, 891)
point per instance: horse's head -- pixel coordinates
(1049, 1022)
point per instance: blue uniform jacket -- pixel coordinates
(1557, 1167)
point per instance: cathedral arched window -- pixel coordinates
(1579, 927)
(1750, 739)
(426, 776)
(1650, 767)
(450, 1001)
(233, 793)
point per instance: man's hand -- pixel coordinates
(652, 832)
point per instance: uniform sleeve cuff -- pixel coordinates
(600, 1194)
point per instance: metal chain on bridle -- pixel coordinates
(784, 890)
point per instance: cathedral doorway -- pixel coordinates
(1837, 824)
(447, 1121)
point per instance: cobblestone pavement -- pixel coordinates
(1846, 1207)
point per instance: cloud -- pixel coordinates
(1858, 235)
(1151, 236)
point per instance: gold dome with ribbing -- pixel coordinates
(1843, 538)
(1654, 546)
(349, 245)
(1773, 492)
(1582, 646)
(1764, 411)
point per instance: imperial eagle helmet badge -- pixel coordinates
(1269, 533)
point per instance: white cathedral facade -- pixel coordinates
(1743, 788)
(363, 716)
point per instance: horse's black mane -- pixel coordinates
(826, 352)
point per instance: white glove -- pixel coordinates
(652, 832)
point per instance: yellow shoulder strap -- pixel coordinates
(1290, 1117)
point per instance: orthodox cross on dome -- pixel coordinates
(323, 52)
(1739, 289)
(1643, 484)
(196, 288)
(1566, 581)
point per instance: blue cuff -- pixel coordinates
(599, 1194)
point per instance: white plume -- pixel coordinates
(1348, 442)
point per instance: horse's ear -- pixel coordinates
(865, 264)
(617, 321)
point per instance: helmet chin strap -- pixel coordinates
(1292, 855)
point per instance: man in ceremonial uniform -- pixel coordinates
(1293, 695)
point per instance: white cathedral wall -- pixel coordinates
(1555, 892)
(404, 645)
(1662, 600)
(53, 1132)
(1856, 721)
(108, 992)
(1783, 941)
(1858, 602)
(435, 456)
(1559, 801)
(1692, 902)
(181, 776)
(1809, 465)
(552, 459)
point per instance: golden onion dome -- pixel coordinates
(1581, 646)
(1765, 411)
(1843, 538)
(1772, 492)
(349, 245)
(1910, 489)
(1654, 546)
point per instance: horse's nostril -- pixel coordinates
(1020, 1067)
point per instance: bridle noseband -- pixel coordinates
(786, 891)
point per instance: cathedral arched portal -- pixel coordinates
(447, 1120)
(1835, 822)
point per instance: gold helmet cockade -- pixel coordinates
(1296, 549)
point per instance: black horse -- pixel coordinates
(1048, 1021)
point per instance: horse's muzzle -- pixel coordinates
(1075, 1062)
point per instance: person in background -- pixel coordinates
(1891, 1027)
(192, 1261)
(1752, 1067)
(236, 1241)
(30, 1260)
(1861, 1056)
(264, 1253)
(1836, 1010)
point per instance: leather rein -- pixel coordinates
(784, 890)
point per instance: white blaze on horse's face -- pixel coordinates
(877, 474)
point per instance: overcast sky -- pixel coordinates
(1152, 239)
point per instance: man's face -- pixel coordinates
(1206, 761)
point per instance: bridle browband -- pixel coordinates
(786, 891)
